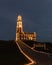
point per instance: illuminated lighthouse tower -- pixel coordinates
(19, 27)
(20, 34)
(19, 24)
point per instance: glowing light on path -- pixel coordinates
(32, 62)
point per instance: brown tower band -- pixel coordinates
(20, 34)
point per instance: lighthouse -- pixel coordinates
(19, 24)
(19, 27)
(20, 34)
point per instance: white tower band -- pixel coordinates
(20, 34)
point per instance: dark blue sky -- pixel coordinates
(37, 16)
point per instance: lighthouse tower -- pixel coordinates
(19, 24)
(20, 34)
(19, 27)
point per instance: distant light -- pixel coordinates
(19, 17)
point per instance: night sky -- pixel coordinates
(37, 16)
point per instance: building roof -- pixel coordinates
(29, 32)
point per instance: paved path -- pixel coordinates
(35, 56)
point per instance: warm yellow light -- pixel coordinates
(19, 17)
(32, 62)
